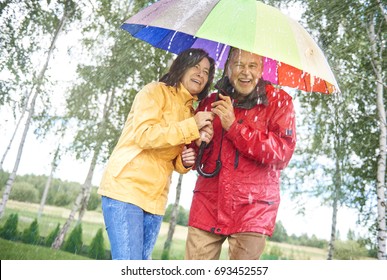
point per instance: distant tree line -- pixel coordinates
(29, 188)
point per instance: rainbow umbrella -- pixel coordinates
(292, 57)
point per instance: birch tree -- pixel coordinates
(121, 70)
(68, 9)
(172, 221)
(353, 35)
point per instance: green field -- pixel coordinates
(93, 220)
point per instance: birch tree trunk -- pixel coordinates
(172, 221)
(83, 197)
(31, 110)
(16, 128)
(87, 186)
(331, 245)
(54, 165)
(381, 169)
(102, 128)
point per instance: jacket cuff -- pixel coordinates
(189, 130)
(179, 167)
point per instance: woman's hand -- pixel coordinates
(203, 119)
(206, 134)
(188, 157)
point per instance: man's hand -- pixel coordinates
(224, 110)
(203, 119)
(206, 134)
(188, 157)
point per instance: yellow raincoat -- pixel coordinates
(158, 126)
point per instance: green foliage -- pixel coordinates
(9, 230)
(272, 253)
(24, 191)
(3, 179)
(305, 240)
(94, 200)
(349, 250)
(62, 199)
(182, 217)
(343, 129)
(97, 247)
(31, 234)
(51, 237)
(18, 251)
(280, 234)
(74, 242)
(29, 188)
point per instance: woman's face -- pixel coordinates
(195, 78)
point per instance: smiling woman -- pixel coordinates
(135, 184)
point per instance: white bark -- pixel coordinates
(381, 169)
(54, 165)
(83, 197)
(31, 110)
(25, 107)
(173, 220)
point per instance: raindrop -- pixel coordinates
(250, 199)
(170, 41)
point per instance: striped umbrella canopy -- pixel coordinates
(291, 57)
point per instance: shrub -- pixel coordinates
(272, 252)
(280, 234)
(97, 247)
(94, 201)
(74, 243)
(9, 231)
(182, 216)
(62, 199)
(51, 237)
(23, 191)
(3, 179)
(349, 250)
(31, 234)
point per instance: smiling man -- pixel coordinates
(254, 139)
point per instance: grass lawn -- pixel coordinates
(18, 251)
(93, 220)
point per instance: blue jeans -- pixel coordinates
(132, 231)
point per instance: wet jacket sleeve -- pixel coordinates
(149, 128)
(179, 167)
(273, 147)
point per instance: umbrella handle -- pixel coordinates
(199, 160)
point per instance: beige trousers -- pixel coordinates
(204, 245)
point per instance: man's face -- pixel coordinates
(244, 70)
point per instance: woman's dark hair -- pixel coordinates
(185, 60)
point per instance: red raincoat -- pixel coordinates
(245, 195)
